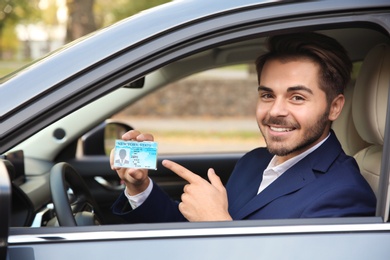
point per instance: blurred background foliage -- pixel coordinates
(22, 20)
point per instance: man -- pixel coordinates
(303, 172)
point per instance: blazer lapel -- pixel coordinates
(292, 180)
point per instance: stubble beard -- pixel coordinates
(310, 136)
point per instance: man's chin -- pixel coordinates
(279, 151)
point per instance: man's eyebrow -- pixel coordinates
(290, 89)
(263, 88)
(300, 88)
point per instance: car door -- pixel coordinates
(338, 238)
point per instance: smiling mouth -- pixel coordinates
(281, 129)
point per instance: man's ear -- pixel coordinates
(336, 107)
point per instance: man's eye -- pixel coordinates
(298, 98)
(265, 95)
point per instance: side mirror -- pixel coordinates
(101, 139)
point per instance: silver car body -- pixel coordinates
(81, 83)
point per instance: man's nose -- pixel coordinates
(279, 108)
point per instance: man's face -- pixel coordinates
(292, 111)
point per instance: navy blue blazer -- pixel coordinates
(326, 183)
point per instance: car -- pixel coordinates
(61, 113)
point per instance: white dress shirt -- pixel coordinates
(136, 200)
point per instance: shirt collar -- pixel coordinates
(281, 168)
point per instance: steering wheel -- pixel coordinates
(79, 209)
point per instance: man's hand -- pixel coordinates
(136, 180)
(201, 200)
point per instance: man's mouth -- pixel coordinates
(280, 125)
(281, 129)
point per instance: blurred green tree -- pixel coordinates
(110, 11)
(12, 13)
(85, 16)
(50, 19)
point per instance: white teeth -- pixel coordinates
(277, 129)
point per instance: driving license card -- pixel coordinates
(132, 154)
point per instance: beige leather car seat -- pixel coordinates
(369, 106)
(345, 128)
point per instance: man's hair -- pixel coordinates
(335, 65)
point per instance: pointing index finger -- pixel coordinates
(181, 171)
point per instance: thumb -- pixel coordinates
(215, 180)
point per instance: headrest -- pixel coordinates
(369, 103)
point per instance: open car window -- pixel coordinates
(208, 112)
